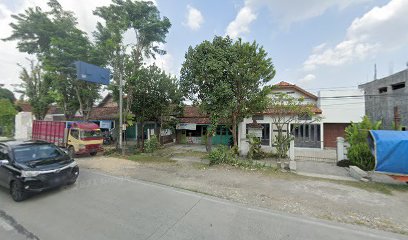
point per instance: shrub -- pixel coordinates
(359, 152)
(151, 145)
(221, 154)
(255, 151)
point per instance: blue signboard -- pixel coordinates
(92, 73)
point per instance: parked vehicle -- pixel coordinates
(76, 137)
(34, 166)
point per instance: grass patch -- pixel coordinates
(149, 158)
(202, 155)
(376, 187)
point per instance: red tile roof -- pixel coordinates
(25, 106)
(192, 114)
(286, 85)
(104, 113)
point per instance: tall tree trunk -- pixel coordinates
(209, 140)
(234, 129)
(142, 126)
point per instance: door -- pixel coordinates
(4, 172)
(306, 135)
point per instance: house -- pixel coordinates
(386, 100)
(333, 110)
(307, 132)
(192, 128)
(340, 108)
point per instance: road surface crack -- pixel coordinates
(16, 226)
(177, 221)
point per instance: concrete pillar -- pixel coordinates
(292, 150)
(340, 149)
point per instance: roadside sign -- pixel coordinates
(92, 73)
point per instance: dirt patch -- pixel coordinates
(269, 188)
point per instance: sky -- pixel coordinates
(315, 44)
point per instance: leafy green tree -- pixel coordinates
(7, 94)
(288, 109)
(227, 80)
(150, 29)
(7, 114)
(157, 95)
(36, 88)
(57, 42)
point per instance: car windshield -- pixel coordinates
(36, 152)
(91, 133)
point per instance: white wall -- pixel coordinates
(295, 94)
(337, 108)
(23, 126)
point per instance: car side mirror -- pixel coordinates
(4, 162)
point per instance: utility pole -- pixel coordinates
(121, 105)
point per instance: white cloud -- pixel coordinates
(285, 12)
(241, 23)
(307, 79)
(194, 18)
(380, 29)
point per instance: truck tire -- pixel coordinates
(71, 151)
(93, 153)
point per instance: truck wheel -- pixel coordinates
(93, 153)
(17, 191)
(71, 151)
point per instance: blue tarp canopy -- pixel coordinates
(91, 73)
(390, 149)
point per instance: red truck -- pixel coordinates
(76, 137)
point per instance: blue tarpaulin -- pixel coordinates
(390, 149)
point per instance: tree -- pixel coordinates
(54, 38)
(287, 109)
(150, 30)
(227, 80)
(7, 94)
(36, 88)
(156, 96)
(7, 115)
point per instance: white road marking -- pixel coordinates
(5, 225)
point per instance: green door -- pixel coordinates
(222, 136)
(131, 132)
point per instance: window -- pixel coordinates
(258, 117)
(75, 133)
(36, 152)
(3, 153)
(265, 134)
(266, 129)
(398, 86)
(382, 90)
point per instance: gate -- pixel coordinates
(306, 135)
(328, 155)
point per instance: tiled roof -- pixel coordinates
(286, 85)
(25, 106)
(192, 114)
(104, 113)
(270, 111)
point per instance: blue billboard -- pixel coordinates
(92, 73)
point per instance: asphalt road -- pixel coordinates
(106, 207)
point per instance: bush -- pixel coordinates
(221, 154)
(255, 151)
(151, 145)
(359, 152)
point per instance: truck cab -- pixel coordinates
(84, 138)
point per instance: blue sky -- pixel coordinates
(314, 44)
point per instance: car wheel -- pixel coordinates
(17, 191)
(93, 153)
(71, 151)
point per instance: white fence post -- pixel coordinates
(292, 162)
(340, 149)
